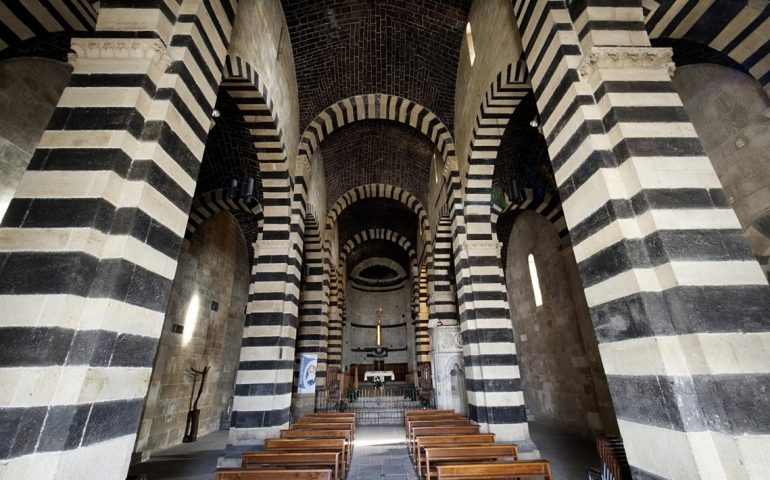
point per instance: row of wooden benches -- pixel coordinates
(446, 446)
(317, 447)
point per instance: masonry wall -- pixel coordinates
(29, 91)
(563, 381)
(497, 44)
(260, 38)
(731, 113)
(361, 307)
(213, 266)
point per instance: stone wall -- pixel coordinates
(360, 308)
(497, 44)
(29, 91)
(260, 37)
(213, 267)
(731, 113)
(563, 383)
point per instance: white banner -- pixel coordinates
(307, 368)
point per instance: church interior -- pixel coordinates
(329, 239)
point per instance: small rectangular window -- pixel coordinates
(469, 39)
(535, 280)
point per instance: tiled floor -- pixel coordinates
(380, 454)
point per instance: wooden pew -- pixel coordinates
(273, 474)
(426, 410)
(433, 431)
(310, 445)
(345, 434)
(436, 423)
(435, 456)
(450, 440)
(432, 418)
(445, 422)
(325, 426)
(412, 414)
(322, 421)
(491, 471)
(332, 414)
(293, 461)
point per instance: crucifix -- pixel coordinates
(379, 327)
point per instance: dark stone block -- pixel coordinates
(64, 427)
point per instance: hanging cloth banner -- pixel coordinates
(307, 369)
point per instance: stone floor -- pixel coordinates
(570, 455)
(380, 454)
(188, 461)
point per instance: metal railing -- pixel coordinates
(375, 406)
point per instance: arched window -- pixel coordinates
(469, 40)
(535, 280)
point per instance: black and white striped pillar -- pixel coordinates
(90, 240)
(679, 304)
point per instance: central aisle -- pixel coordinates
(380, 453)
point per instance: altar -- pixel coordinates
(381, 374)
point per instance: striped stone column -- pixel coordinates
(313, 330)
(493, 382)
(263, 383)
(679, 304)
(676, 296)
(443, 306)
(90, 240)
(334, 356)
(422, 333)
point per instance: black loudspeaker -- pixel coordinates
(232, 188)
(515, 194)
(247, 187)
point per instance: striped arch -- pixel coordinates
(241, 81)
(740, 30)
(24, 21)
(378, 106)
(500, 101)
(549, 207)
(215, 201)
(378, 234)
(377, 190)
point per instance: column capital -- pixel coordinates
(626, 57)
(144, 53)
(482, 246)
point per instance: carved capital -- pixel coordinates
(626, 57)
(150, 50)
(449, 164)
(304, 169)
(482, 246)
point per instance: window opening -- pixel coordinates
(535, 280)
(469, 39)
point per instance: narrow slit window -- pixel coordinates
(535, 280)
(469, 39)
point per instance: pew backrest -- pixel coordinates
(298, 460)
(464, 454)
(497, 470)
(447, 440)
(274, 474)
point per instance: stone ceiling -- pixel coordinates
(378, 213)
(376, 151)
(349, 47)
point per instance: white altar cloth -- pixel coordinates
(379, 373)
